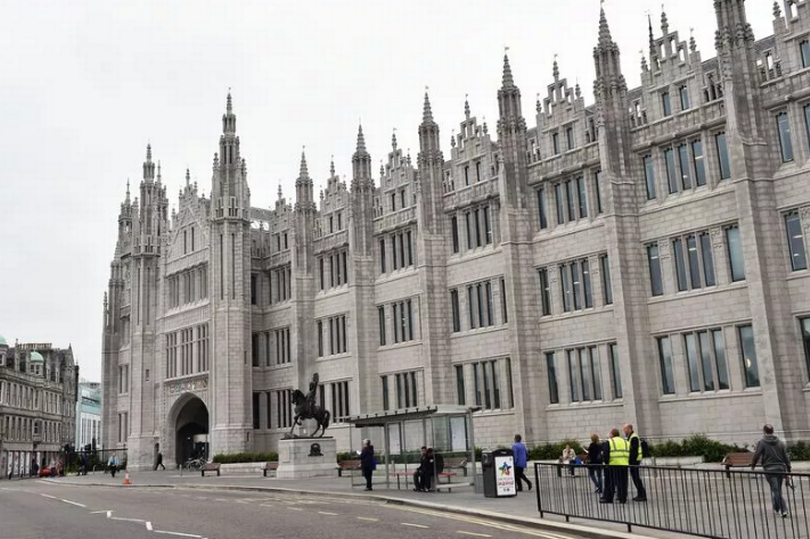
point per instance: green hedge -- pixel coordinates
(697, 445)
(249, 456)
(553, 451)
(799, 450)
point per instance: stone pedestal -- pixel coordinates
(299, 458)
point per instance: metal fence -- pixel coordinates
(706, 503)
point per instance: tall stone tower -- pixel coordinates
(231, 380)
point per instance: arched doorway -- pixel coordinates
(191, 430)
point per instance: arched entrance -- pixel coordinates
(191, 430)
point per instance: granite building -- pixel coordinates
(37, 405)
(640, 259)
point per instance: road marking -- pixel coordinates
(149, 526)
(368, 519)
(422, 526)
(99, 512)
(77, 504)
(327, 513)
(267, 505)
(178, 534)
(222, 500)
(49, 496)
(294, 509)
(10, 489)
(139, 520)
(473, 534)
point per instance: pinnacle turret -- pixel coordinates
(229, 118)
(605, 38)
(427, 112)
(148, 166)
(466, 106)
(664, 23)
(361, 160)
(303, 171)
(361, 141)
(508, 80)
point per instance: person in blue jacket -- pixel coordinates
(521, 456)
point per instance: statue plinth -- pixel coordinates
(299, 458)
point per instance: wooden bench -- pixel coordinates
(349, 465)
(269, 467)
(210, 467)
(737, 460)
(456, 463)
(446, 475)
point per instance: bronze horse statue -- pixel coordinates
(306, 408)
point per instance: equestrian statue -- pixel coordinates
(306, 408)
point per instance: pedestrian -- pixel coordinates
(776, 463)
(419, 472)
(521, 455)
(616, 453)
(368, 462)
(595, 462)
(112, 464)
(159, 463)
(34, 467)
(569, 457)
(636, 456)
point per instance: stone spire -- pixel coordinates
(361, 161)
(148, 166)
(652, 36)
(303, 171)
(664, 22)
(429, 146)
(332, 167)
(427, 112)
(188, 177)
(229, 118)
(556, 70)
(127, 200)
(692, 42)
(394, 140)
(605, 39)
(304, 189)
(466, 107)
(508, 81)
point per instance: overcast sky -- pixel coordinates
(84, 86)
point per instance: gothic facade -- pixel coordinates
(641, 259)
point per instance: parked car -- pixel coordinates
(47, 472)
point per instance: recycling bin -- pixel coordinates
(498, 466)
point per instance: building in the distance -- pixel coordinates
(88, 416)
(37, 405)
(640, 259)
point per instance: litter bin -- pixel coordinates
(498, 467)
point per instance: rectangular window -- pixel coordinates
(686, 169)
(319, 329)
(576, 284)
(477, 383)
(545, 292)
(510, 387)
(683, 91)
(569, 196)
(707, 258)
(569, 135)
(461, 397)
(454, 306)
(254, 349)
(804, 49)
(680, 264)
(486, 210)
(504, 308)
(697, 161)
(583, 203)
(656, 284)
(607, 285)
(386, 403)
(395, 260)
(722, 156)
(476, 218)
(254, 293)
(805, 329)
(256, 396)
(793, 225)
(720, 358)
(471, 306)
(694, 261)
(454, 231)
(587, 290)
(573, 375)
(597, 185)
(382, 257)
(555, 143)
(692, 362)
(478, 171)
(666, 105)
(749, 356)
(470, 228)
(560, 201)
(541, 208)
(615, 371)
(496, 385)
(649, 176)
(706, 360)
(672, 171)
(665, 359)
(785, 142)
(565, 284)
(489, 308)
(381, 317)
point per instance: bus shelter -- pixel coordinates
(447, 429)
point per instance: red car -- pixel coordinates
(47, 472)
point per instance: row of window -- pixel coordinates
(279, 407)
(685, 167)
(570, 141)
(332, 332)
(585, 373)
(335, 222)
(683, 97)
(405, 388)
(28, 398)
(187, 352)
(187, 287)
(333, 269)
(278, 284)
(478, 227)
(402, 200)
(89, 431)
(490, 383)
(480, 305)
(570, 199)
(189, 234)
(26, 429)
(123, 427)
(784, 132)
(402, 253)
(402, 320)
(123, 379)
(274, 346)
(575, 285)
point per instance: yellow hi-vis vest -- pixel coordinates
(619, 452)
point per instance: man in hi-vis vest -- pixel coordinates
(617, 457)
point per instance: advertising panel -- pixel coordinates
(505, 476)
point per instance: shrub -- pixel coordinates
(553, 451)
(248, 456)
(799, 451)
(347, 455)
(697, 445)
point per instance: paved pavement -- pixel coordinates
(37, 509)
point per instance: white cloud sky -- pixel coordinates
(85, 85)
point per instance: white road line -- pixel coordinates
(327, 513)
(140, 520)
(266, 505)
(10, 489)
(77, 504)
(294, 509)
(178, 534)
(422, 526)
(368, 519)
(99, 512)
(49, 496)
(473, 534)
(149, 526)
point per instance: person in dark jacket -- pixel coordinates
(635, 461)
(595, 462)
(776, 463)
(428, 471)
(367, 462)
(417, 475)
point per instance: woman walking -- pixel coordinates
(595, 462)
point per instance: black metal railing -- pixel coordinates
(704, 502)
